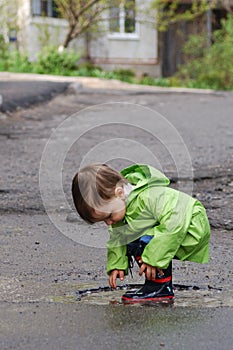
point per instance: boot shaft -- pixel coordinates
(158, 290)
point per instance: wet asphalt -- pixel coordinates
(42, 268)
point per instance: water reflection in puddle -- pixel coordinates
(189, 297)
(185, 296)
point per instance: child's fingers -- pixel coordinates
(150, 271)
(159, 271)
(112, 279)
(121, 275)
(153, 273)
(142, 269)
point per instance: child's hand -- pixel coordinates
(114, 275)
(150, 271)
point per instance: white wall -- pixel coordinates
(138, 51)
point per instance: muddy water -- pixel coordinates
(184, 297)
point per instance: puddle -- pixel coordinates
(185, 296)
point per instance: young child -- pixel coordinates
(147, 220)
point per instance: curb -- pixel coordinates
(105, 84)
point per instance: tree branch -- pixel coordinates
(228, 5)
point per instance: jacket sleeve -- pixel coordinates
(117, 259)
(173, 222)
(116, 252)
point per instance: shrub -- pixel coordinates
(18, 62)
(89, 70)
(211, 68)
(13, 61)
(126, 75)
(50, 61)
(4, 54)
(165, 82)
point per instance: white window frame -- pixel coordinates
(122, 34)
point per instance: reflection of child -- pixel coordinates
(148, 221)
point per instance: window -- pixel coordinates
(47, 8)
(123, 17)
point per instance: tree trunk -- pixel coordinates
(87, 42)
(68, 37)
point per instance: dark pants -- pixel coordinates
(136, 248)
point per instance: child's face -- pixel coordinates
(110, 213)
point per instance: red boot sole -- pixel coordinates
(163, 300)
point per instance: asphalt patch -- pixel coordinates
(23, 94)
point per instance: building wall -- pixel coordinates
(37, 32)
(8, 18)
(137, 52)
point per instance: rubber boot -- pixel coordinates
(159, 289)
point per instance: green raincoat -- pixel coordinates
(177, 222)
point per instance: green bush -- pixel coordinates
(213, 67)
(126, 75)
(13, 61)
(4, 54)
(50, 61)
(90, 70)
(164, 82)
(195, 47)
(18, 62)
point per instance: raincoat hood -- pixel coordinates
(142, 176)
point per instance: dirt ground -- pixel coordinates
(41, 269)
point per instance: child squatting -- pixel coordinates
(149, 222)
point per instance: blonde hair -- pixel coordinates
(93, 186)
